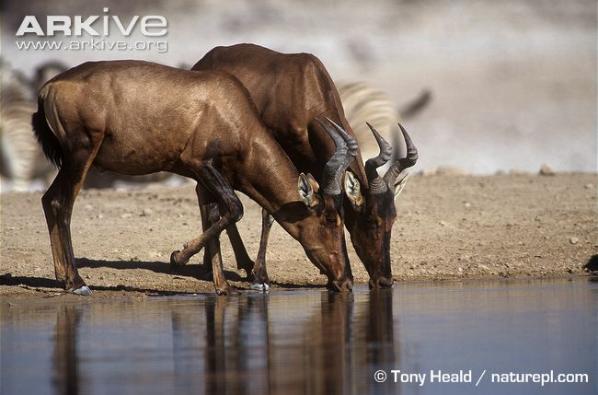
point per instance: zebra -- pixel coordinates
(363, 103)
(21, 159)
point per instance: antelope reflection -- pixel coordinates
(249, 343)
(66, 356)
(256, 343)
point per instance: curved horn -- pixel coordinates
(377, 184)
(346, 150)
(399, 165)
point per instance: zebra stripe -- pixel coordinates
(363, 103)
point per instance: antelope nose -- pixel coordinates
(381, 282)
(342, 285)
(336, 269)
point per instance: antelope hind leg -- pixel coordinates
(58, 204)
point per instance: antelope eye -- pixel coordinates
(372, 223)
(330, 218)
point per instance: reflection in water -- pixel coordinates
(331, 373)
(379, 332)
(232, 350)
(298, 341)
(65, 361)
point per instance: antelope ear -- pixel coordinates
(400, 183)
(353, 189)
(308, 189)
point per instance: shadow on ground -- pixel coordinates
(195, 271)
(592, 264)
(41, 283)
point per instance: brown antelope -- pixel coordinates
(135, 118)
(290, 91)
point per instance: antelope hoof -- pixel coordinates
(82, 291)
(175, 259)
(224, 291)
(248, 267)
(260, 287)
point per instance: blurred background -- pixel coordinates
(508, 85)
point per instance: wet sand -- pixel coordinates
(448, 227)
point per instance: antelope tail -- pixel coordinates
(46, 138)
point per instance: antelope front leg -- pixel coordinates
(190, 248)
(241, 255)
(213, 255)
(231, 209)
(204, 208)
(260, 275)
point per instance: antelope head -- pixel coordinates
(324, 202)
(371, 221)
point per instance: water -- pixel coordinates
(304, 341)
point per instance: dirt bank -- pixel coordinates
(447, 227)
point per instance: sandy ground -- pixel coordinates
(448, 227)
